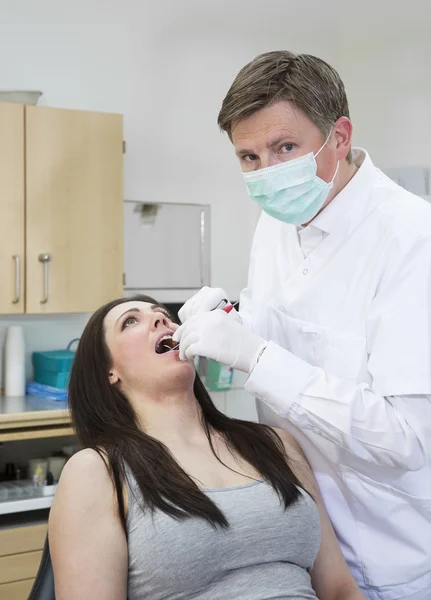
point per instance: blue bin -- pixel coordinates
(53, 367)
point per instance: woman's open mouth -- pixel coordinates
(165, 344)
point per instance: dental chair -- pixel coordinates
(43, 586)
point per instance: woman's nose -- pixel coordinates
(159, 320)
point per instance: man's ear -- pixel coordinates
(343, 136)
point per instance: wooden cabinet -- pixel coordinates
(20, 554)
(12, 208)
(21, 541)
(17, 590)
(61, 200)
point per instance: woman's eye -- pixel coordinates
(250, 157)
(287, 147)
(128, 322)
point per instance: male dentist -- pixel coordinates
(334, 327)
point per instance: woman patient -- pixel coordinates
(171, 499)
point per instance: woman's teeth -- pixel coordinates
(166, 344)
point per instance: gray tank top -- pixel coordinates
(266, 554)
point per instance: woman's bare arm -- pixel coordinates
(87, 543)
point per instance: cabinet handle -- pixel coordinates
(45, 259)
(17, 298)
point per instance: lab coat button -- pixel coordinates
(305, 271)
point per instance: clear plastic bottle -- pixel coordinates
(14, 361)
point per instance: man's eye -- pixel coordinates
(287, 147)
(128, 322)
(250, 157)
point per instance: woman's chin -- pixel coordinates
(187, 367)
(174, 356)
(179, 376)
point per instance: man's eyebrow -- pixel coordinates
(285, 137)
(278, 140)
(243, 151)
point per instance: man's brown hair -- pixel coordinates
(309, 83)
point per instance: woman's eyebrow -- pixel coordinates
(161, 309)
(130, 310)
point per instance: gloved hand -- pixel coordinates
(217, 336)
(205, 300)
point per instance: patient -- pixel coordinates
(171, 499)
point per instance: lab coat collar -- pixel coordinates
(348, 204)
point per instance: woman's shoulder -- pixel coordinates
(289, 442)
(86, 463)
(85, 493)
(84, 509)
(84, 480)
(298, 462)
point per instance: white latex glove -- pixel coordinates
(205, 300)
(217, 336)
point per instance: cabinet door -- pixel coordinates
(18, 590)
(74, 209)
(11, 208)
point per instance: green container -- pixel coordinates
(218, 377)
(53, 367)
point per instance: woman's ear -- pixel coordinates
(113, 377)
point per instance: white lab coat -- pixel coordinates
(346, 305)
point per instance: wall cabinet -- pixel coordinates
(61, 203)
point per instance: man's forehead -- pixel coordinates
(271, 122)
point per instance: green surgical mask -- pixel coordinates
(291, 191)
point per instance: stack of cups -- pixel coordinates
(14, 361)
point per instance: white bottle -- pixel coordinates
(14, 361)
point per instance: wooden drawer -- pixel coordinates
(19, 566)
(19, 590)
(22, 539)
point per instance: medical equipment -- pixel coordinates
(224, 305)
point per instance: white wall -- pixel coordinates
(236, 402)
(167, 65)
(385, 62)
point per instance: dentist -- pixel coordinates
(334, 327)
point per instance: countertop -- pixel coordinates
(31, 412)
(29, 407)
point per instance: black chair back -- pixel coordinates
(43, 586)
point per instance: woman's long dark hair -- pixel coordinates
(105, 421)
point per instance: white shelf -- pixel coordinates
(15, 506)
